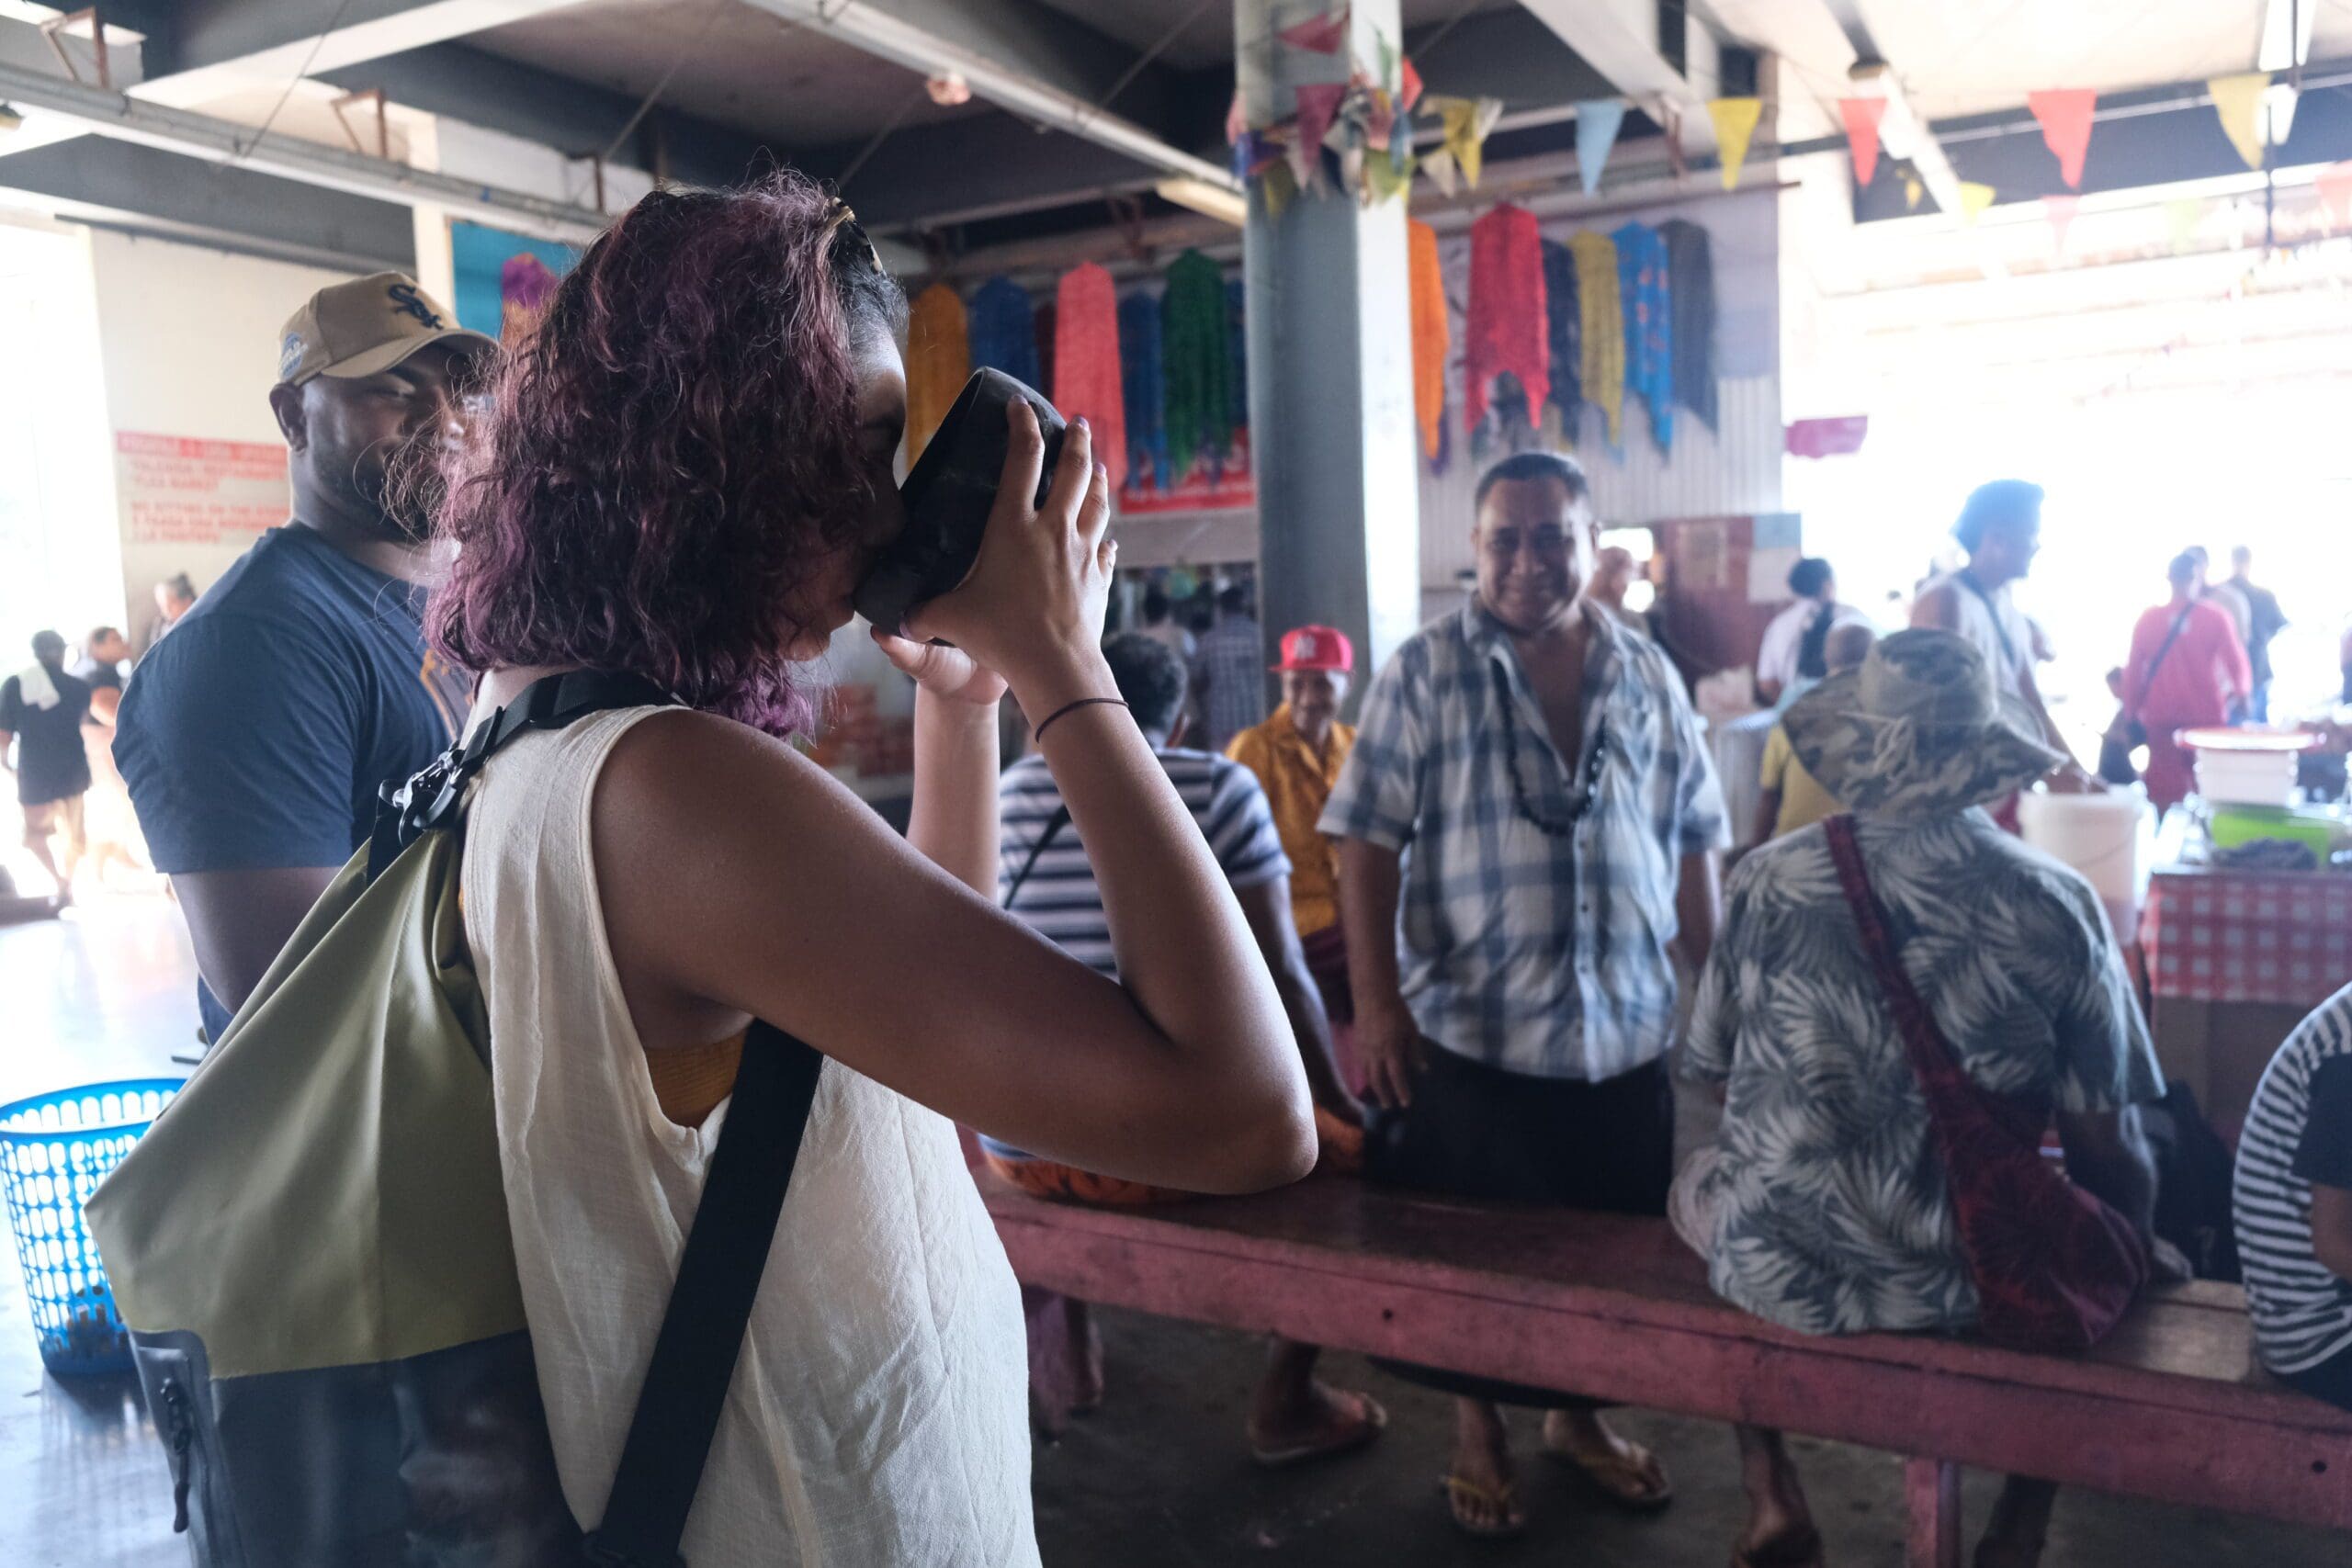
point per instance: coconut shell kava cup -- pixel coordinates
(948, 495)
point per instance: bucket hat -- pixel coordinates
(1918, 729)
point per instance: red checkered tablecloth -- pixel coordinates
(2219, 936)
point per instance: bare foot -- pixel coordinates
(1628, 1472)
(1481, 1489)
(1312, 1424)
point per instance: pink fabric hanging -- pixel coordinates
(1086, 362)
(1505, 330)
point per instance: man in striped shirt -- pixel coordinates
(2294, 1205)
(1043, 878)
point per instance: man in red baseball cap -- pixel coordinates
(1298, 754)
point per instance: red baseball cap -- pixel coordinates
(1318, 648)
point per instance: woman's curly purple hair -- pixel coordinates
(663, 458)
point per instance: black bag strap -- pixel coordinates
(701, 1337)
(407, 809)
(2009, 665)
(2178, 623)
(684, 1390)
(1054, 825)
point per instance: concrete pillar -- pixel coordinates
(1330, 371)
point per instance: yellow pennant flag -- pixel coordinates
(1467, 122)
(2238, 100)
(1974, 200)
(1279, 184)
(1735, 129)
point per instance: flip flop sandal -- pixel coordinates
(1503, 1500)
(1623, 1481)
(1347, 1434)
(1803, 1550)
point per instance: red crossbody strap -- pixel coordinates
(1931, 1054)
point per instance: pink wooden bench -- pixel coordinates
(2172, 1406)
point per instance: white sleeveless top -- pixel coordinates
(2000, 631)
(879, 1415)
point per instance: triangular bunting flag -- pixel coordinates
(1389, 58)
(1236, 123)
(1439, 166)
(1861, 117)
(1735, 120)
(2066, 116)
(1386, 178)
(1305, 161)
(2181, 218)
(2335, 184)
(1974, 200)
(1318, 102)
(1279, 185)
(1598, 122)
(2238, 100)
(1324, 35)
(1408, 84)
(1914, 189)
(1467, 122)
(2060, 210)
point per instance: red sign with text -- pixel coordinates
(179, 490)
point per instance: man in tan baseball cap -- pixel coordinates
(368, 324)
(261, 727)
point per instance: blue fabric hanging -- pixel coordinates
(1648, 306)
(1002, 327)
(1139, 378)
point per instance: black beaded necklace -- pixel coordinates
(1595, 760)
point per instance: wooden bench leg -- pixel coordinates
(1931, 1493)
(1065, 1358)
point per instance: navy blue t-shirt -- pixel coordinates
(255, 735)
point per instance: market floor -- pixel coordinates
(1156, 1479)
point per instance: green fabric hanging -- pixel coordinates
(1197, 360)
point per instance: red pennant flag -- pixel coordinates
(1237, 120)
(2334, 184)
(2065, 118)
(1317, 102)
(1324, 35)
(2060, 210)
(1409, 87)
(1861, 117)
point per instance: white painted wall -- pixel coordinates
(60, 567)
(187, 343)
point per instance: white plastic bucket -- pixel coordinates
(2107, 838)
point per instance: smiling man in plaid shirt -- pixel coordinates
(1530, 787)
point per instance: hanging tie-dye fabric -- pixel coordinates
(939, 361)
(1003, 329)
(1086, 362)
(1564, 326)
(1140, 380)
(1648, 306)
(1196, 338)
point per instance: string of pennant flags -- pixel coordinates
(1358, 136)
(1370, 123)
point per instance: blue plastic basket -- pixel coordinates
(55, 1150)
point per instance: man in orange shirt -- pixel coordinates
(1298, 754)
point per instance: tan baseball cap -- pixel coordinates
(365, 326)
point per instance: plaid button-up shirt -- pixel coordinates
(1526, 952)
